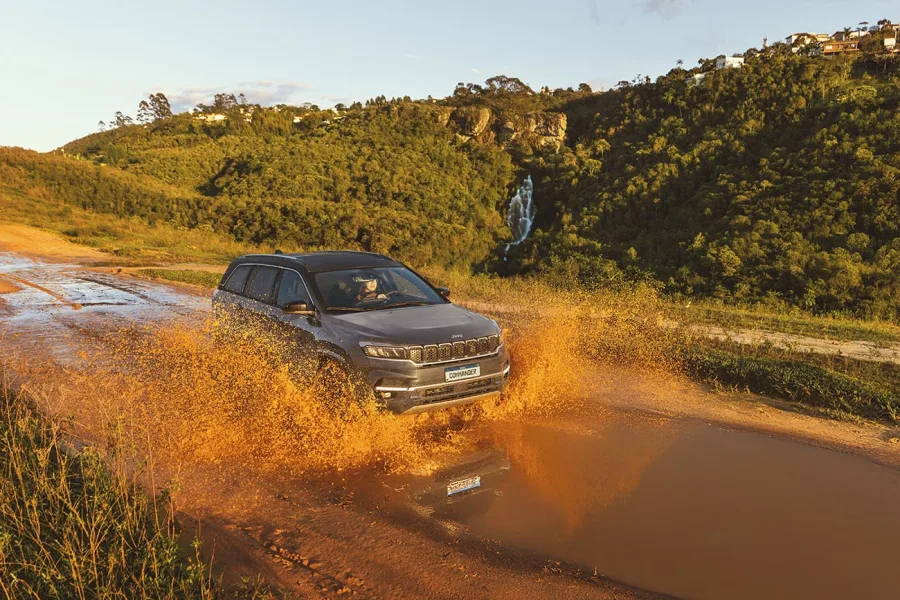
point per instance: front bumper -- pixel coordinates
(406, 388)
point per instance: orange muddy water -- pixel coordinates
(698, 511)
(674, 506)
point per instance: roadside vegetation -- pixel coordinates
(841, 389)
(788, 320)
(73, 524)
(205, 279)
(128, 240)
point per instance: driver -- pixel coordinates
(368, 289)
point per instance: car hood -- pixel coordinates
(433, 324)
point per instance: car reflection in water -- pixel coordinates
(463, 489)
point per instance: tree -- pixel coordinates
(121, 120)
(145, 113)
(159, 105)
(503, 84)
(585, 88)
(101, 125)
(224, 102)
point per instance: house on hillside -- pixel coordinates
(832, 47)
(696, 79)
(210, 117)
(798, 40)
(729, 62)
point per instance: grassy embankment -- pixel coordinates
(633, 320)
(75, 524)
(71, 526)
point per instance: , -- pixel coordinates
(373, 319)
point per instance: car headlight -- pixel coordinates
(502, 337)
(385, 351)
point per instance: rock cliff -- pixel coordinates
(540, 128)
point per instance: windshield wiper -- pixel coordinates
(347, 308)
(402, 304)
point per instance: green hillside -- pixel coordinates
(775, 183)
(777, 180)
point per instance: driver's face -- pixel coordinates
(370, 286)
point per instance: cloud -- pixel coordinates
(474, 70)
(263, 92)
(621, 20)
(666, 8)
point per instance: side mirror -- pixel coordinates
(298, 308)
(445, 292)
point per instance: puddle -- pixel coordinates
(697, 511)
(49, 303)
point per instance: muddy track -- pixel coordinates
(657, 483)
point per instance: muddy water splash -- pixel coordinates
(185, 399)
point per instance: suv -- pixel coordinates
(374, 319)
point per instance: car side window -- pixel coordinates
(291, 289)
(262, 286)
(237, 279)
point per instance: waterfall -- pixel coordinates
(521, 213)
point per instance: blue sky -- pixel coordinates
(66, 65)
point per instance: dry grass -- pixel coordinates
(73, 524)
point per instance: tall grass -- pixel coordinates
(73, 525)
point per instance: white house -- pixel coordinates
(211, 117)
(729, 62)
(696, 79)
(798, 40)
(801, 39)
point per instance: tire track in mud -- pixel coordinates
(40, 288)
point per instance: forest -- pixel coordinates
(775, 183)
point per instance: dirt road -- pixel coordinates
(653, 488)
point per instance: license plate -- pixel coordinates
(460, 373)
(463, 485)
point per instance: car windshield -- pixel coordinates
(374, 289)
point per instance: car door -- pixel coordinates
(260, 300)
(229, 305)
(296, 332)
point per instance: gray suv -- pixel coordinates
(374, 319)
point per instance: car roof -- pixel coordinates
(316, 262)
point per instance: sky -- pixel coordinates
(66, 65)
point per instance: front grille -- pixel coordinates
(430, 354)
(462, 389)
(455, 351)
